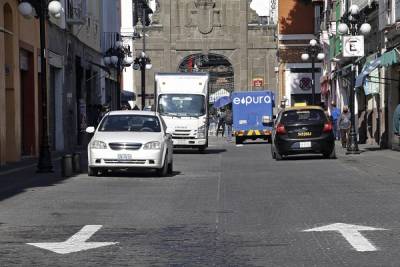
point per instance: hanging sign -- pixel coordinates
(258, 82)
(353, 46)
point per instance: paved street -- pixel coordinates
(232, 206)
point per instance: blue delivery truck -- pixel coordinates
(252, 115)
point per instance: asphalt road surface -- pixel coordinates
(232, 206)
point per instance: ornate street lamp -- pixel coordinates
(118, 57)
(314, 52)
(352, 23)
(42, 9)
(142, 11)
(142, 62)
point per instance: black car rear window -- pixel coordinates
(303, 115)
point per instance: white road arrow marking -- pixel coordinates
(75, 243)
(351, 233)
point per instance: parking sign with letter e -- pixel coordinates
(353, 46)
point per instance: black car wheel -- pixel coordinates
(330, 155)
(272, 151)
(278, 156)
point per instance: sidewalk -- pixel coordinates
(19, 176)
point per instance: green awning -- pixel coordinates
(390, 58)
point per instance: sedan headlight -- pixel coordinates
(152, 145)
(96, 144)
(201, 132)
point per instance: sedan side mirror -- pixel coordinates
(169, 131)
(90, 129)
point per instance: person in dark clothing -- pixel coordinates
(344, 126)
(221, 122)
(228, 123)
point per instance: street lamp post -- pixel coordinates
(313, 52)
(353, 22)
(42, 8)
(142, 61)
(119, 57)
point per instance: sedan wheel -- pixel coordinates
(93, 171)
(164, 170)
(171, 167)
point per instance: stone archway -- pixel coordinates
(220, 70)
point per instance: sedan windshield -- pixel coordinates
(303, 116)
(182, 105)
(130, 123)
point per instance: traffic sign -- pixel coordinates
(353, 46)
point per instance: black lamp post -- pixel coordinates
(43, 8)
(314, 52)
(353, 23)
(142, 61)
(118, 57)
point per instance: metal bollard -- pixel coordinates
(66, 166)
(76, 162)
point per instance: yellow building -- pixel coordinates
(19, 94)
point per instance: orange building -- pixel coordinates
(298, 23)
(19, 51)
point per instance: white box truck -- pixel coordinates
(182, 101)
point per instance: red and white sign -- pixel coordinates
(258, 82)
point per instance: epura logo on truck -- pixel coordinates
(249, 100)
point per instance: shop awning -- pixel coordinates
(385, 60)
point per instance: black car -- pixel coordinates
(301, 130)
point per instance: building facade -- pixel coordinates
(226, 38)
(297, 24)
(19, 78)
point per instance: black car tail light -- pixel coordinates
(280, 129)
(327, 127)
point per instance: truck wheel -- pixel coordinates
(202, 149)
(238, 140)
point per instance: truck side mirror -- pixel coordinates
(267, 120)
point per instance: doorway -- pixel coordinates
(27, 74)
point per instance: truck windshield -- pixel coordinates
(182, 105)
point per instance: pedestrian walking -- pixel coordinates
(228, 123)
(344, 126)
(396, 128)
(335, 115)
(221, 122)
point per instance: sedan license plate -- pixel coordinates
(305, 144)
(124, 156)
(304, 134)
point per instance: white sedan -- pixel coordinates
(128, 140)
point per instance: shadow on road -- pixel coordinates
(195, 151)
(304, 157)
(16, 183)
(137, 174)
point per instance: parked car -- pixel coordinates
(130, 140)
(300, 130)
